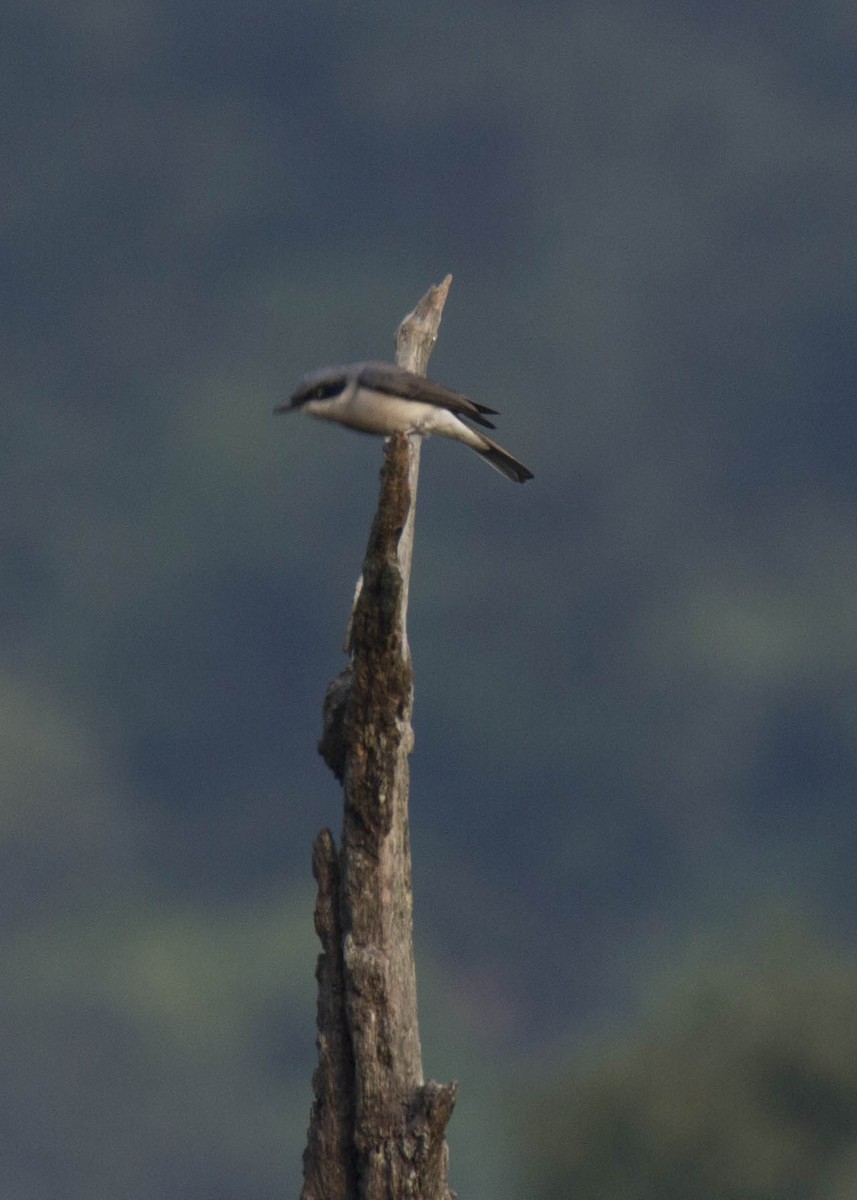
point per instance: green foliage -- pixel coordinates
(739, 1083)
(158, 1050)
(635, 685)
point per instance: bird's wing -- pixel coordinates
(395, 381)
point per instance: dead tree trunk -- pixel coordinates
(376, 1129)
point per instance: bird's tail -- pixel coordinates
(501, 460)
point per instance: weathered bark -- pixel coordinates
(376, 1129)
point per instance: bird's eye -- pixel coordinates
(319, 392)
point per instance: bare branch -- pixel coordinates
(376, 1129)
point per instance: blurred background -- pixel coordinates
(636, 719)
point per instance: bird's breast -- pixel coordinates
(378, 412)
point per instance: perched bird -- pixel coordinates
(376, 397)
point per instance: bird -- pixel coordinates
(381, 398)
